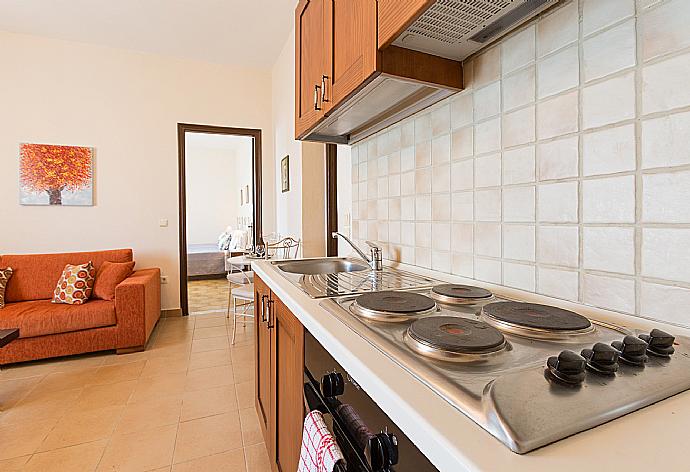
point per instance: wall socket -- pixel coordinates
(164, 279)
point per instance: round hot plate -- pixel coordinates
(531, 318)
(454, 338)
(393, 306)
(459, 294)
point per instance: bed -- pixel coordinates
(205, 261)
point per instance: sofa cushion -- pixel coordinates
(75, 284)
(35, 275)
(41, 317)
(5, 275)
(109, 276)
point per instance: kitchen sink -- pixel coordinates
(321, 266)
(335, 277)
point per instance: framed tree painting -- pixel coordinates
(285, 174)
(55, 175)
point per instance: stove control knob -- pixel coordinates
(382, 451)
(602, 358)
(632, 350)
(568, 367)
(659, 343)
(332, 385)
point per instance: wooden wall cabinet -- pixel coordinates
(349, 81)
(279, 376)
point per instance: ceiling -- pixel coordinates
(248, 33)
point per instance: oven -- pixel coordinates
(368, 438)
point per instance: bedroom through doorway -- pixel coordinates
(218, 168)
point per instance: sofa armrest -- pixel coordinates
(137, 307)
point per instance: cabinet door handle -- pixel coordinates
(263, 312)
(324, 83)
(317, 95)
(270, 324)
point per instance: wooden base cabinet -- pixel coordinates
(279, 359)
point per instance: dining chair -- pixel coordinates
(286, 248)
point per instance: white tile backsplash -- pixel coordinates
(558, 159)
(665, 253)
(518, 165)
(609, 102)
(558, 72)
(557, 116)
(518, 89)
(610, 51)
(563, 168)
(519, 204)
(666, 141)
(598, 14)
(666, 197)
(558, 202)
(609, 151)
(665, 29)
(557, 29)
(609, 249)
(665, 85)
(609, 200)
(518, 50)
(609, 292)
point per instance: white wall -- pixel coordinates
(563, 169)
(301, 211)
(126, 105)
(216, 168)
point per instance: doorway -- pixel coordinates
(219, 209)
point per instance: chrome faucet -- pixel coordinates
(375, 261)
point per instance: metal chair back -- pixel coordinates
(286, 248)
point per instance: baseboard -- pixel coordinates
(207, 276)
(171, 313)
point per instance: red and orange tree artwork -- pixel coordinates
(53, 169)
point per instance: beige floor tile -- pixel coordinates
(206, 436)
(153, 413)
(202, 403)
(40, 405)
(201, 360)
(230, 461)
(14, 464)
(157, 387)
(68, 379)
(11, 391)
(211, 332)
(140, 451)
(242, 354)
(80, 427)
(99, 396)
(243, 372)
(256, 458)
(158, 366)
(82, 457)
(23, 438)
(115, 359)
(209, 377)
(211, 322)
(118, 373)
(179, 322)
(251, 431)
(175, 337)
(245, 394)
(210, 344)
(244, 335)
(180, 351)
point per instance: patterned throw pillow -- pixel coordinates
(75, 284)
(5, 275)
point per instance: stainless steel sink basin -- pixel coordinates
(321, 266)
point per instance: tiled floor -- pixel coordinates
(184, 404)
(207, 296)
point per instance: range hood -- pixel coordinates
(422, 65)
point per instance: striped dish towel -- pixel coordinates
(320, 452)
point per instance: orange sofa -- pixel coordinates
(51, 329)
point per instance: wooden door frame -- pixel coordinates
(183, 128)
(331, 199)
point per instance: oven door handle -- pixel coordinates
(313, 402)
